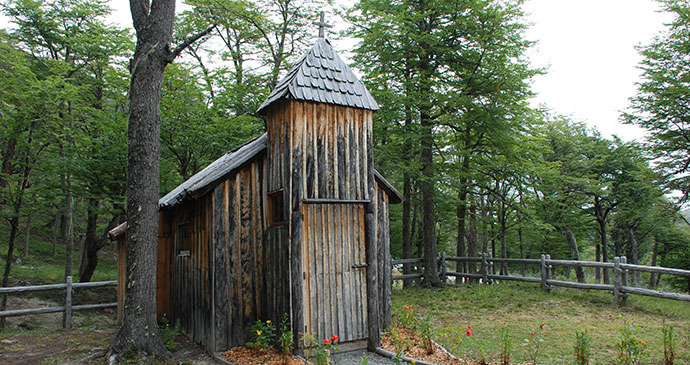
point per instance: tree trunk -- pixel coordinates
(461, 213)
(27, 235)
(522, 251)
(153, 22)
(597, 258)
(407, 204)
(56, 226)
(14, 223)
(7, 157)
(655, 252)
(69, 228)
(472, 239)
(89, 254)
(635, 256)
(572, 242)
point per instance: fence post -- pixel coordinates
(67, 315)
(544, 274)
(549, 269)
(624, 280)
(484, 269)
(444, 268)
(616, 280)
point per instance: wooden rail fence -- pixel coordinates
(67, 309)
(620, 287)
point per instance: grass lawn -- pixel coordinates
(522, 307)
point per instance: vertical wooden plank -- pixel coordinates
(219, 297)
(388, 284)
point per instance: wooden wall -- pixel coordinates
(333, 258)
(250, 259)
(190, 279)
(384, 257)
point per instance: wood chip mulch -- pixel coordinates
(252, 356)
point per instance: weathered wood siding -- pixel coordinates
(323, 147)
(316, 151)
(334, 277)
(384, 257)
(190, 279)
(250, 260)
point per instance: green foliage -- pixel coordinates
(669, 344)
(506, 346)
(660, 105)
(320, 352)
(169, 334)
(263, 335)
(583, 347)
(286, 339)
(631, 350)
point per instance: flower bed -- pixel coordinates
(251, 356)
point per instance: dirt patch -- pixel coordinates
(40, 339)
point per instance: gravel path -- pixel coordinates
(353, 357)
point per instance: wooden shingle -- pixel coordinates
(321, 76)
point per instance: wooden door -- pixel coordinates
(334, 271)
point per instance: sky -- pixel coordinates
(587, 48)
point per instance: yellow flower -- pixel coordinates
(414, 362)
(268, 322)
(258, 333)
(644, 342)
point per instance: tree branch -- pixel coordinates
(187, 42)
(140, 12)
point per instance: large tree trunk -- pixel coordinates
(14, 223)
(153, 22)
(572, 243)
(407, 203)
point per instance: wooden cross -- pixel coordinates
(322, 25)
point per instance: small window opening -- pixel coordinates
(276, 208)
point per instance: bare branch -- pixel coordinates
(187, 42)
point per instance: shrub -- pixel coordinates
(631, 350)
(583, 348)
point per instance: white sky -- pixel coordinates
(587, 48)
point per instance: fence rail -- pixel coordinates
(620, 268)
(67, 309)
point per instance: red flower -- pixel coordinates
(406, 307)
(532, 333)
(334, 338)
(470, 326)
(468, 332)
(542, 325)
(326, 342)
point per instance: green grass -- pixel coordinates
(521, 308)
(42, 268)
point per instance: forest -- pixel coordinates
(481, 170)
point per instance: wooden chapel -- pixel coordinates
(294, 222)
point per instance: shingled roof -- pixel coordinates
(322, 76)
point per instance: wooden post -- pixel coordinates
(549, 269)
(484, 269)
(444, 269)
(544, 274)
(67, 315)
(624, 280)
(616, 280)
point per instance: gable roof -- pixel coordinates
(217, 171)
(322, 76)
